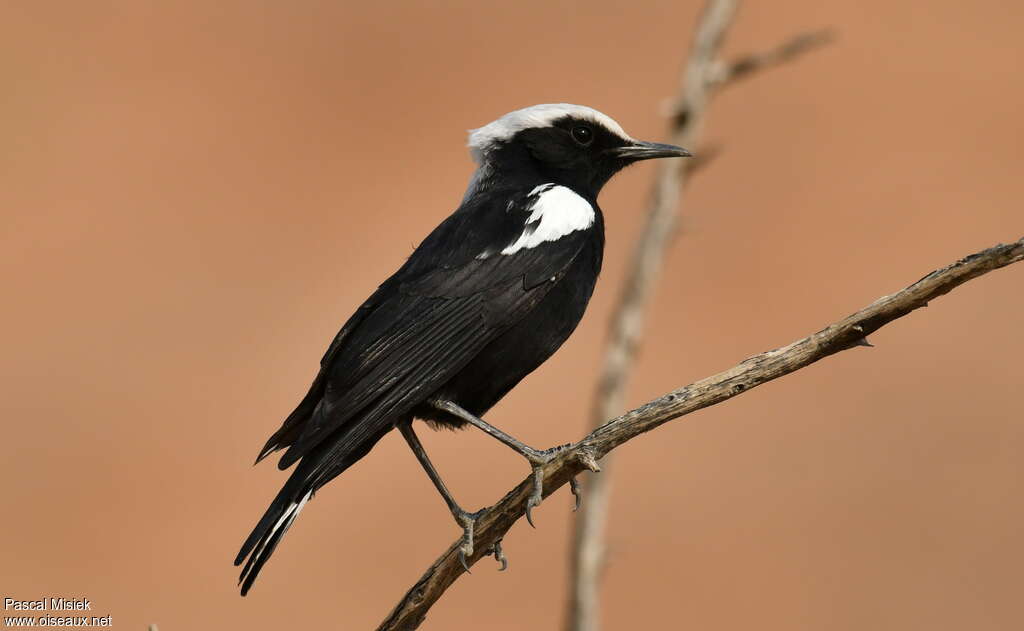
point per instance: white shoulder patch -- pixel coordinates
(557, 212)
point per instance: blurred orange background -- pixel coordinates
(196, 195)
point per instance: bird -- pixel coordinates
(486, 298)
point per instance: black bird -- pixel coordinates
(487, 297)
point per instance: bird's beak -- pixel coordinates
(643, 150)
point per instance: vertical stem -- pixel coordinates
(588, 550)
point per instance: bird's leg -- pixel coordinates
(465, 520)
(536, 457)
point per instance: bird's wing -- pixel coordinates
(293, 425)
(454, 295)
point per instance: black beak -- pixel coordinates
(642, 150)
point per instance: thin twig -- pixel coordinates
(847, 333)
(787, 51)
(703, 76)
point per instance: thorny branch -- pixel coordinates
(703, 76)
(750, 373)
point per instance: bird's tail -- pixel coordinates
(272, 526)
(313, 471)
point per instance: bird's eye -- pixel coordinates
(582, 135)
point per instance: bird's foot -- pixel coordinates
(468, 523)
(498, 555)
(539, 458)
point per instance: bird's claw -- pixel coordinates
(498, 555)
(537, 460)
(467, 521)
(535, 497)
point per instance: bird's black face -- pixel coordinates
(578, 153)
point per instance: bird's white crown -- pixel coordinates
(485, 138)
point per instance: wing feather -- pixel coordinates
(424, 324)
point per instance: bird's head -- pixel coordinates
(570, 145)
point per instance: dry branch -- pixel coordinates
(703, 76)
(787, 51)
(846, 333)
